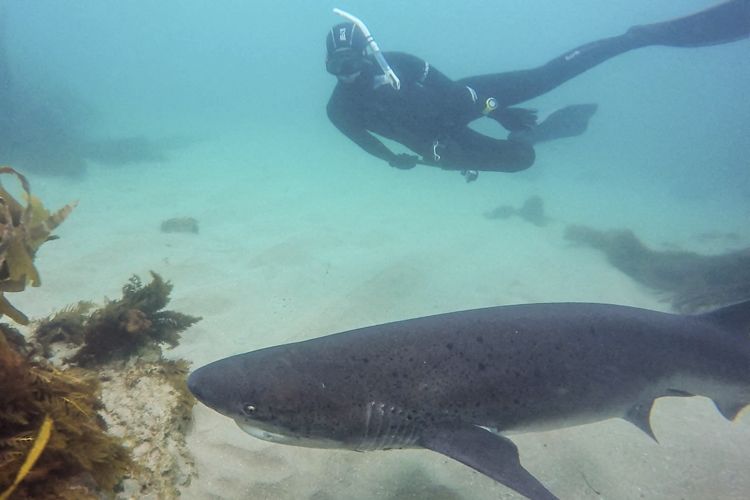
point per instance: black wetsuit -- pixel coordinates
(430, 113)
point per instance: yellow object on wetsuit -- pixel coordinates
(490, 105)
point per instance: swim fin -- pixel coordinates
(723, 23)
(569, 121)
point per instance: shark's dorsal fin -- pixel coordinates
(489, 453)
(640, 415)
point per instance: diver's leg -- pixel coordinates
(726, 22)
(513, 87)
(467, 149)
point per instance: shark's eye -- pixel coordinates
(249, 409)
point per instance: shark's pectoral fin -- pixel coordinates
(640, 416)
(489, 453)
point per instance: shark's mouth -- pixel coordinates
(277, 437)
(263, 434)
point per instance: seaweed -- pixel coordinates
(121, 328)
(23, 229)
(66, 326)
(53, 421)
(118, 347)
(78, 459)
(175, 373)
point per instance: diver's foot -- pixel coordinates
(470, 175)
(722, 23)
(569, 121)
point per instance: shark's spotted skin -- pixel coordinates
(455, 383)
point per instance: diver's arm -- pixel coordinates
(357, 133)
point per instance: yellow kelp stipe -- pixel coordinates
(41, 441)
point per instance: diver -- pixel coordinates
(404, 98)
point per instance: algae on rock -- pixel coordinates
(80, 459)
(121, 328)
(23, 229)
(68, 431)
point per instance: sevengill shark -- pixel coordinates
(456, 383)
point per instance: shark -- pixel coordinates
(458, 383)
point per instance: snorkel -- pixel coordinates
(389, 74)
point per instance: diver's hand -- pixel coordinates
(404, 161)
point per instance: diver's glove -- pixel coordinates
(404, 161)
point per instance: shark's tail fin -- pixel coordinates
(735, 318)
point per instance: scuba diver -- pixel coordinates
(404, 98)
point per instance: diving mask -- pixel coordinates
(345, 62)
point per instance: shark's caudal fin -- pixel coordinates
(490, 454)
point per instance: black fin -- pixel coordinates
(735, 317)
(640, 416)
(515, 119)
(490, 454)
(569, 121)
(729, 409)
(723, 23)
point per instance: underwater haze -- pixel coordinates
(145, 111)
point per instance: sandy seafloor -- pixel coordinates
(298, 241)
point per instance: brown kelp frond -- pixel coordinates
(121, 328)
(23, 229)
(36, 450)
(77, 445)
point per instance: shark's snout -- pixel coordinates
(206, 385)
(218, 385)
(195, 386)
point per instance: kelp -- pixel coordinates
(117, 347)
(78, 459)
(23, 229)
(53, 421)
(36, 450)
(120, 328)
